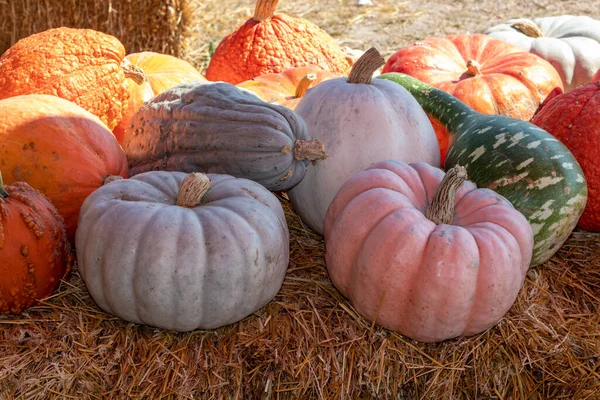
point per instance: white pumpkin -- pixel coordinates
(361, 122)
(153, 254)
(570, 43)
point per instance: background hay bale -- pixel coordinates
(155, 25)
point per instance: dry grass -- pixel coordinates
(310, 343)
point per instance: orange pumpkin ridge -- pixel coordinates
(34, 247)
(270, 42)
(79, 65)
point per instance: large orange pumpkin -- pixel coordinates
(34, 251)
(287, 87)
(81, 65)
(489, 75)
(58, 148)
(159, 73)
(270, 42)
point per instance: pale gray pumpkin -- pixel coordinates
(219, 128)
(361, 122)
(182, 267)
(570, 43)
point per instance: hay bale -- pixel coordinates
(155, 25)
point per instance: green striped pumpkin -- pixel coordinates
(520, 161)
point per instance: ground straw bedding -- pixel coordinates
(310, 343)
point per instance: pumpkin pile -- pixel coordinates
(436, 184)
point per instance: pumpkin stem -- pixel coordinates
(304, 84)
(133, 72)
(311, 150)
(111, 178)
(3, 193)
(473, 68)
(441, 207)
(192, 189)
(528, 28)
(363, 69)
(264, 10)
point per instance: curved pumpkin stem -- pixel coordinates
(192, 189)
(311, 150)
(362, 71)
(3, 193)
(473, 68)
(304, 84)
(528, 28)
(441, 208)
(264, 10)
(111, 178)
(133, 72)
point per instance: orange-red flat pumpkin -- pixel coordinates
(159, 72)
(271, 42)
(34, 250)
(81, 65)
(489, 75)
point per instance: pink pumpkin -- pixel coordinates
(424, 253)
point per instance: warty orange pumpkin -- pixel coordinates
(81, 65)
(270, 42)
(35, 253)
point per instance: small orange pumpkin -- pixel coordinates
(287, 87)
(34, 250)
(81, 65)
(270, 42)
(159, 72)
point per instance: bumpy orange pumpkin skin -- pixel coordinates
(574, 119)
(281, 88)
(160, 72)
(430, 281)
(270, 42)
(35, 253)
(489, 75)
(80, 65)
(58, 148)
